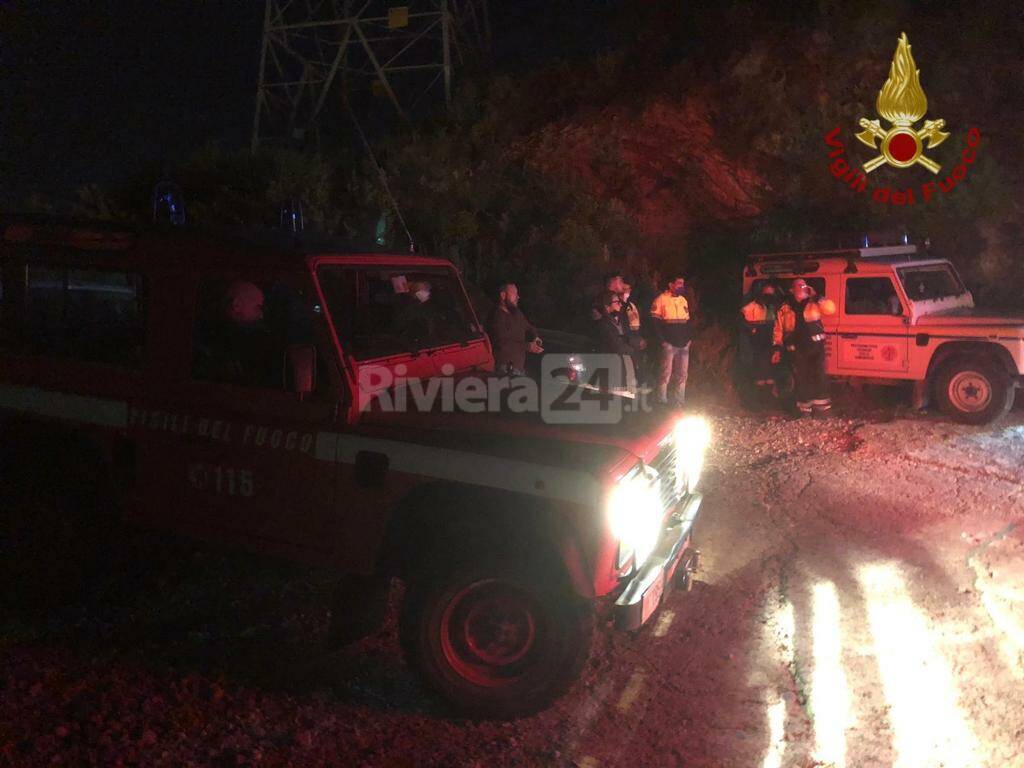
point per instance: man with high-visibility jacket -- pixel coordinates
(672, 328)
(756, 337)
(799, 331)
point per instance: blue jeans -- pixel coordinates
(673, 363)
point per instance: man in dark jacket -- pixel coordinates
(236, 347)
(609, 335)
(756, 341)
(512, 335)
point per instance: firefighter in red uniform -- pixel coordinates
(798, 331)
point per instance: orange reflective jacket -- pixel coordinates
(785, 318)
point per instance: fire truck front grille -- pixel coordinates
(665, 465)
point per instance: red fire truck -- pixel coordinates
(505, 530)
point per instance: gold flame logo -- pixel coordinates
(902, 102)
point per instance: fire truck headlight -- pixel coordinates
(692, 436)
(635, 516)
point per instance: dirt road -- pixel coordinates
(862, 604)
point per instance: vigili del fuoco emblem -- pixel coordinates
(902, 102)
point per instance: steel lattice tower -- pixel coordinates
(318, 55)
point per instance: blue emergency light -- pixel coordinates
(168, 204)
(291, 215)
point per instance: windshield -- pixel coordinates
(380, 312)
(932, 282)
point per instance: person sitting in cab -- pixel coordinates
(418, 319)
(235, 346)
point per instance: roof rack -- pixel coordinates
(843, 253)
(807, 261)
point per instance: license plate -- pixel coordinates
(652, 598)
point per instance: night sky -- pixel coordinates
(93, 92)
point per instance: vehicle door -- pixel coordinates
(873, 327)
(400, 323)
(225, 445)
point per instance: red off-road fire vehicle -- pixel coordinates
(506, 531)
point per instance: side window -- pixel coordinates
(871, 296)
(782, 284)
(85, 314)
(387, 312)
(243, 329)
(817, 283)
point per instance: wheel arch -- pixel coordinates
(952, 349)
(447, 521)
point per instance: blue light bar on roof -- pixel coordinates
(168, 204)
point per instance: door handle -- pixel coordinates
(848, 335)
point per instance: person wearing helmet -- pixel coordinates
(799, 331)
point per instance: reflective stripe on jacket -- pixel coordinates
(755, 313)
(671, 319)
(785, 318)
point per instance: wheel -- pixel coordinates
(496, 639)
(973, 390)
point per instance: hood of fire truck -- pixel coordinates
(526, 437)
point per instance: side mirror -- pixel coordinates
(300, 369)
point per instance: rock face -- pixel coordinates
(663, 165)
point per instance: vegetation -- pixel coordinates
(681, 146)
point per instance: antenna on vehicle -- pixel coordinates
(381, 174)
(168, 204)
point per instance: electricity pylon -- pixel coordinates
(318, 55)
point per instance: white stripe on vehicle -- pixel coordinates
(62, 405)
(440, 463)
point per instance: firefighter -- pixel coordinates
(758, 321)
(798, 331)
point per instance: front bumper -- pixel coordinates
(645, 591)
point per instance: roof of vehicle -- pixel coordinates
(850, 260)
(240, 247)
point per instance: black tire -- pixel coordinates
(448, 629)
(973, 390)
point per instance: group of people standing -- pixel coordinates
(784, 344)
(656, 342)
(783, 341)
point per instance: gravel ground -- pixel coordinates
(862, 604)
